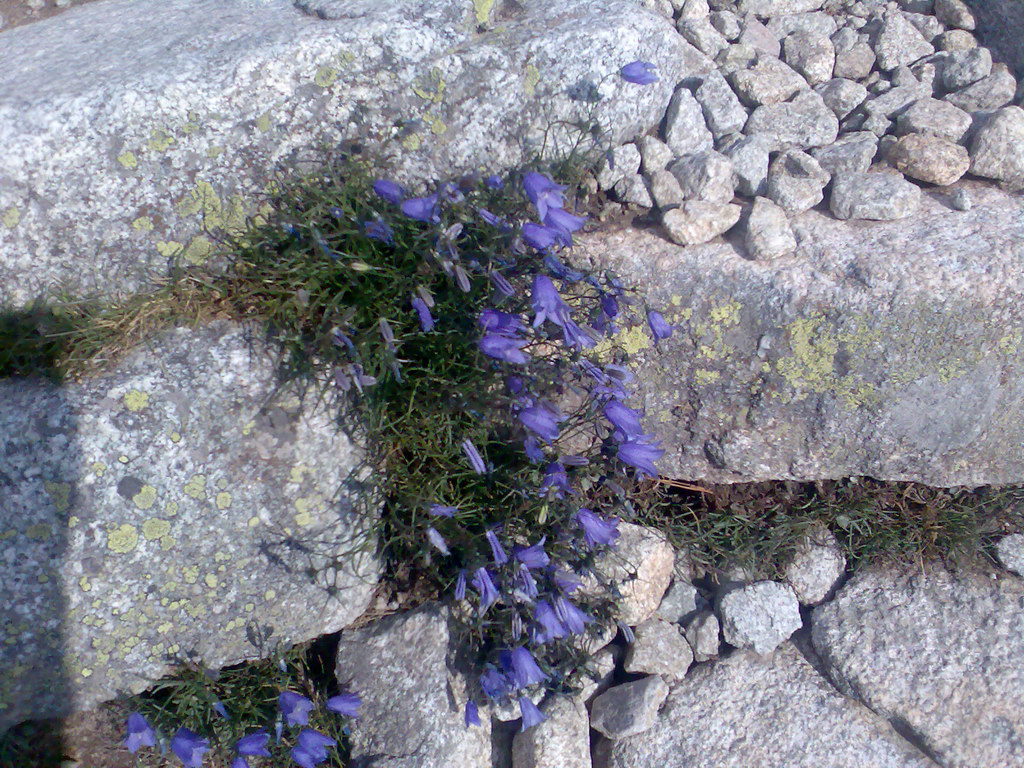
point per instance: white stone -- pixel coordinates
(679, 602)
(685, 129)
(628, 709)
(561, 741)
(633, 190)
(625, 161)
(698, 221)
(992, 92)
(964, 68)
(665, 190)
(638, 569)
(769, 81)
(816, 567)
(659, 648)
(759, 37)
(796, 181)
(934, 117)
(852, 152)
(898, 42)
(997, 150)
(655, 154)
(842, 96)
(801, 123)
(597, 676)
(705, 176)
(767, 231)
(813, 56)
(1010, 551)
(702, 635)
(702, 35)
(882, 196)
(749, 156)
(723, 112)
(760, 616)
(930, 159)
(728, 23)
(954, 13)
(955, 40)
(815, 23)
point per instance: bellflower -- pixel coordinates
(494, 220)
(473, 456)
(547, 303)
(527, 582)
(565, 581)
(345, 704)
(573, 460)
(501, 284)
(389, 190)
(253, 744)
(559, 270)
(315, 743)
(460, 585)
(556, 480)
(502, 347)
(532, 557)
(521, 667)
(500, 558)
(484, 585)
(494, 181)
(496, 321)
(543, 192)
(295, 707)
(659, 328)
(426, 319)
(437, 540)
(625, 420)
(189, 747)
(140, 733)
(639, 73)
(564, 223)
(532, 448)
(440, 510)
(472, 716)
(241, 762)
(542, 420)
(571, 617)
(219, 708)
(576, 336)
(531, 715)
(596, 530)
(378, 229)
(494, 684)
(548, 625)
(540, 237)
(641, 456)
(422, 208)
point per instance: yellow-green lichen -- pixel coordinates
(431, 88)
(190, 573)
(72, 521)
(223, 500)
(84, 584)
(169, 249)
(482, 8)
(297, 473)
(198, 251)
(143, 224)
(247, 429)
(128, 160)
(160, 140)
(325, 76)
(145, 498)
(167, 542)
(214, 151)
(810, 366)
(211, 580)
(171, 508)
(530, 80)
(222, 483)
(1011, 342)
(412, 142)
(11, 217)
(175, 437)
(304, 510)
(254, 521)
(196, 487)
(98, 468)
(437, 125)
(123, 539)
(123, 459)
(263, 122)
(270, 594)
(155, 528)
(135, 400)
(59, 493)
(704, 376)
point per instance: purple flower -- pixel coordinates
(473, 455)
(527, 582)
(140, 733)
(492, 219)
(521, 667)
(502, 347)
(315, 743)
(559, 270)
(426, 319)
(548, 625)
(460, 585)
(295, 707)
(472, 716)
(241, 762)
(389, 190)
(540, 237)
(639, 73)
(437, 540)
(494, 684)
(496, 321)
(625, 420)
(547, 303)
(422, 208)
(304, 759)
(596, 530)
(543, 192)
(531, 715)
(494, 181)
(532, 557)
(659, 328)
(345, 704)
(254, 744)
(500, 558)
(555, 479)
(532, 448)
(572, 618)
(641, 456)
(218, 707)
(484, 585)
(573, 460)
(542, 420)
(378, 229)
(189, 747)
(501, 284)
(564, 223)
(565, 581)
(440, 510)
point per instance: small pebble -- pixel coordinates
(961, 200)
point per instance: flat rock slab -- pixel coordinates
(888, 349)
(772, 712)
(940, 654)
(179, 506)
(135, 132)
(412, 711)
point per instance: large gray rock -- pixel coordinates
(816, 566)
(842, 96)
(930, 159)
(705, 176)
(749, 156)
(800, 123)
(759, 616)
(628, 709)
(698, 221)
(637, 571)
(561, 741)
(811, 54)
(881, 196)
(992, 92)
(774, 712)
(844, 360)
(851, 152)
(997, 150)
(935, 117)
(767, 233)
(768, 81)
(963, 68)
(659, 649)
(796, 181)
(898, 42)
(1010, 551)
(686, 131)
(723, 112)
(413, 698)
(128, 124)
(172, 506)
(937, 653)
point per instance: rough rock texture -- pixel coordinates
(997, 151)
(773, 712)
(125, 124)
(628, 709)
(898, 42)
(803, 122)
(852, 153)
(686, 131)
(679, 602)
(992, 92)
(749, 155)
(935, 117)
(1010, 551)
(561, 741)
(174, 505)
(767, 233)
(705, 176)
(930, 159)
(937, 653)
(796, 181)
(698, 221)
(843, 360)
(999, 24)
(702, 635)
(412, 711)
(659, 649)
(875, 196)
(816, 567)
(638, 569)
(759, 616)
